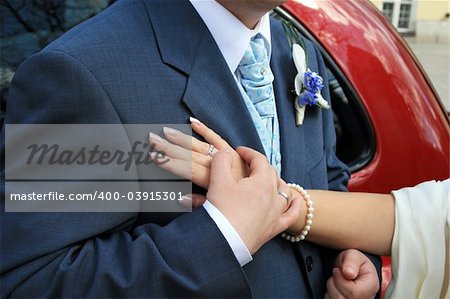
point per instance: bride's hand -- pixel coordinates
(191, 158)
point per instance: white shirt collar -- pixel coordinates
(231, 35)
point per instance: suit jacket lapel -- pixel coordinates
(213, 96)
(211, 93)
(292, 137)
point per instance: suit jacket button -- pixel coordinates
(309, 263)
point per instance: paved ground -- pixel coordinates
(435, 59)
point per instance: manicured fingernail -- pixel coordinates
(171, 132)
(185, 201)
(152, 155)
(194, 121)
(156, 138)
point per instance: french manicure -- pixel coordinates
(186, 201)
(156, 138)
(194, 120)
(171, 132)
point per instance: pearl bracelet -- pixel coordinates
(309, 215)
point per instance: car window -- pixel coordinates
(355, 144)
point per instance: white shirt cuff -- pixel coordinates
(234, 240)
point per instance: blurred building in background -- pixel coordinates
(425, 20)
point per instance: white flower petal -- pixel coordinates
(321, 102)
(298, 83)
(299, 56)
(299, 114)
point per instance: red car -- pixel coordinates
(392, 129)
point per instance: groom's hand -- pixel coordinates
(354, 276)
(252, 205)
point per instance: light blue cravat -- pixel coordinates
(257, 91)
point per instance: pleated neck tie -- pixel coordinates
(256, 79)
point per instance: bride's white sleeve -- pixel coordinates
(421, 244)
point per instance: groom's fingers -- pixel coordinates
(221, 173)
(291, 215)
(257, 162)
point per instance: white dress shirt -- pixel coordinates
(232, 37)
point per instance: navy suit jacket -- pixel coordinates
(154, 61)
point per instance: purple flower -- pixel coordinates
(313, 82)
(307, 98)
(312, 88)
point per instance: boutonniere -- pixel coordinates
(308, 85)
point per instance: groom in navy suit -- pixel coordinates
(160, 61)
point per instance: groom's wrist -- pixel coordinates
(234, 240)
